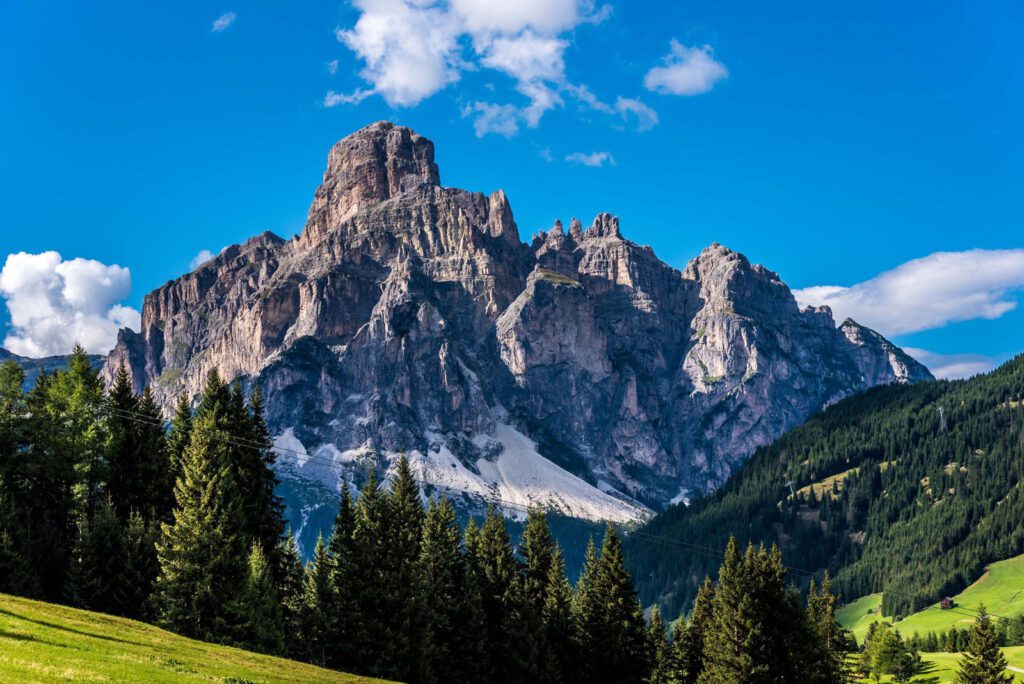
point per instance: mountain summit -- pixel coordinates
(578, 373)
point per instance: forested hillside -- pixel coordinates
(916, 490)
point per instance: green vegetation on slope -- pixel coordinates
(46, 642)
(1001, 589)
(927, 498)
(858, 615)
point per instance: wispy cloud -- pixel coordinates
(594, 159)
(223, 21)
(55, 304)
(493, 118)
(199, 259)
(333, 99)
(930, 292)
(332, 67)
(686, 71)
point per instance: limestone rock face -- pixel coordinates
(579, 372)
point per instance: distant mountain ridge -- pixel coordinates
(578, 372)
(48, 364)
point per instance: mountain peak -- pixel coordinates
(369, 166)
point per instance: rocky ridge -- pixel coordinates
(578, 372)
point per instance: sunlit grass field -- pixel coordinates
(1001, 589)
(44, 642)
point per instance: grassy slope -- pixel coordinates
(858, 615)
(43, 642)
(940, 668)
(1001, 589)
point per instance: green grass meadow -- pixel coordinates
(1001, 589)
(44, 642)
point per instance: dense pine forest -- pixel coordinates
(103, 506)
(910, 490)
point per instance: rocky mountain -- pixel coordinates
(578, 372)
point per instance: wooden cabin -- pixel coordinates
(947, 603)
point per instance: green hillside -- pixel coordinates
(894, 495)
(1001, 589)
(44, 642)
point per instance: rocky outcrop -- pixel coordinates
(579, 372)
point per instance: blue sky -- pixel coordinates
(831, 142)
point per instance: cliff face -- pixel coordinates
(578, 372)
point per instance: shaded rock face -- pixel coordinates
(578, 372)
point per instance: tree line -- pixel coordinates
(104, 506)
(1008, 631)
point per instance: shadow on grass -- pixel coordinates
(14, 636)
(925, 669)
(64, 628)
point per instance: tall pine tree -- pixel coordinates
(983, 662)
(452, 629)
(201, 552)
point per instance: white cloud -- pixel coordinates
(54, 304)
(409, 47)
(952, 366)
(412, 49)
(200, 259)
(929, 292)
(595, 159)
(687, 71)
(493, 118)
(482, 17)
(332, 67)
(223, 21)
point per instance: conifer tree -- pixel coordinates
(536, 546)
(15, 572)
(68, 454)
(141, 566)
(343, 579)
(613, 633)
(97, 562)
(122, 447)
(317, 602)
(497, 569)
(827, 651)
(254, 460)
(559, 627)
(452, 617)
(689, 638)
(398, 655)
(201, 552)
(661, 655)
(156, 493)
(583, 605)
(290, 589)
(139, 471)
(727, 658)
(263, 622)
(179, 435)
(370, 542)
(983, 662)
